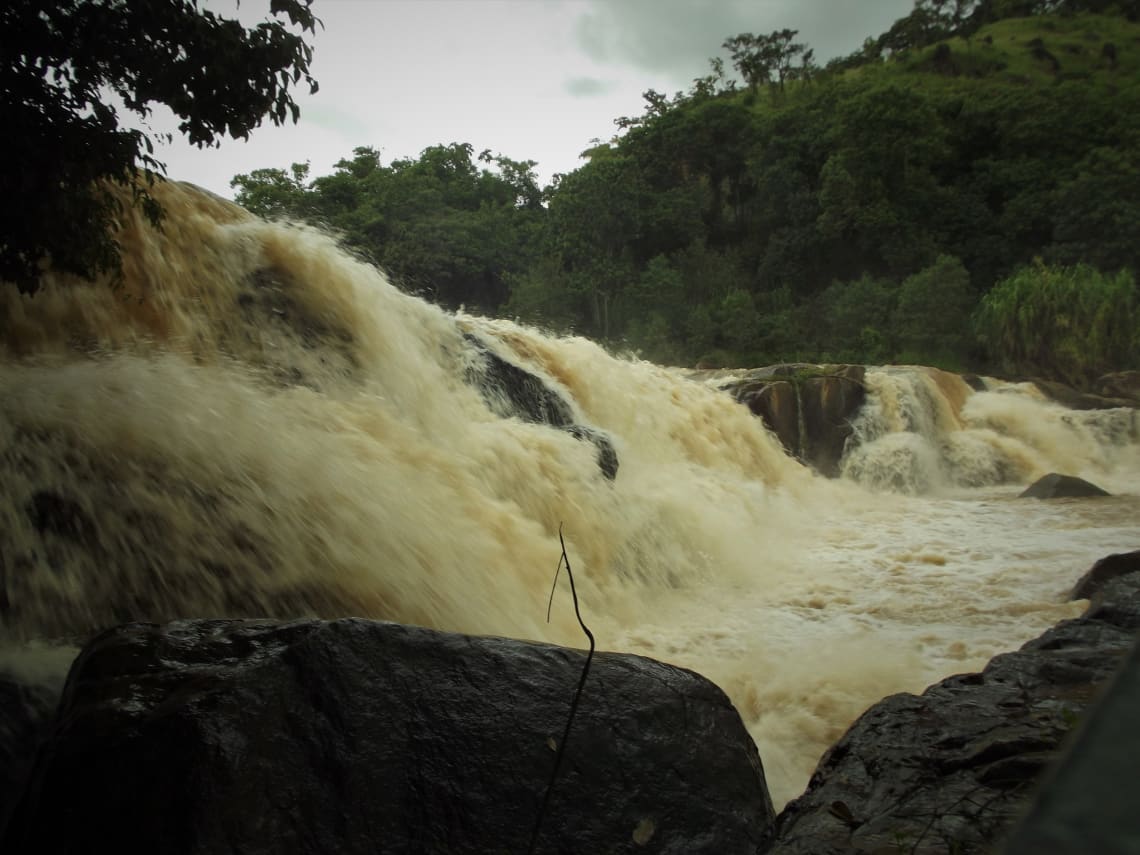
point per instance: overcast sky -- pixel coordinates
(531, 79)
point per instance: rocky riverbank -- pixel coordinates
(953, 769)
(314, 736)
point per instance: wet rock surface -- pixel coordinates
(1120, 385)
(808, 407)
(1056, 486)
(1108, 395)
(1104, 571)
(512, 391)
(356, 736)
(952, 770)
(26, 712)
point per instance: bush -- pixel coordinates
(1065, 323)
(932, 319)
(856, 316)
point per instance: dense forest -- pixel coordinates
(962, 190)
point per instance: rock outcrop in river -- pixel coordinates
(809, 407)
(1057, 486)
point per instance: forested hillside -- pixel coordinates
(965, 179)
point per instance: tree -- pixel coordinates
(440, 224)
(1097, 212)
(61, 65)
(759, 58)
(932, 318)
(273, 192)
(595, 222)
(856, 318)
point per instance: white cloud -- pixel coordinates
(587, 87)
(532, 79)
(677, 38)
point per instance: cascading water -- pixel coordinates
(924, 430)
(252, 423)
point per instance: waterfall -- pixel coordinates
(250, 422)
(923, 430)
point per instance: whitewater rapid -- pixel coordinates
(253, 423)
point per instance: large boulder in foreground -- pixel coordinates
(1055, 486)
(26, 712)
(954, 769)
(354, 736)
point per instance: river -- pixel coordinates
(253, 423)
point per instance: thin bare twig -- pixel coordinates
(564, 559)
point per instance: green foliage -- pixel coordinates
(442, 224)
(61, 59)
(763, 60)
(273, 192)
(1097, 211)
(949, 154)
(932, 318)
(544, 296)
(856, 213)
(1069, 323)
(856, 316)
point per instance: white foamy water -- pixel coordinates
(925, 431)
(254, 424)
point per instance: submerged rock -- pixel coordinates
(1054, 486)
(1121, 385)
(607, 455)
(355, 736)
(1069, 397)
(513, 391)
(953, 769)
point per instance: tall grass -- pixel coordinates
(1065, 323)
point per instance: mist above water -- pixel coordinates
(252, 423)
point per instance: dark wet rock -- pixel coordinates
(1118, 602)
(1088, 801)
(1120, 385)
(354, 736)
(25, 718)
(777, 403)
(953, 769)
(830, 402)
(1069, 397)
(1108, 568)
(808, 407)
(1055, 486)
(607, 454)
(512, 391)
(974, 381)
